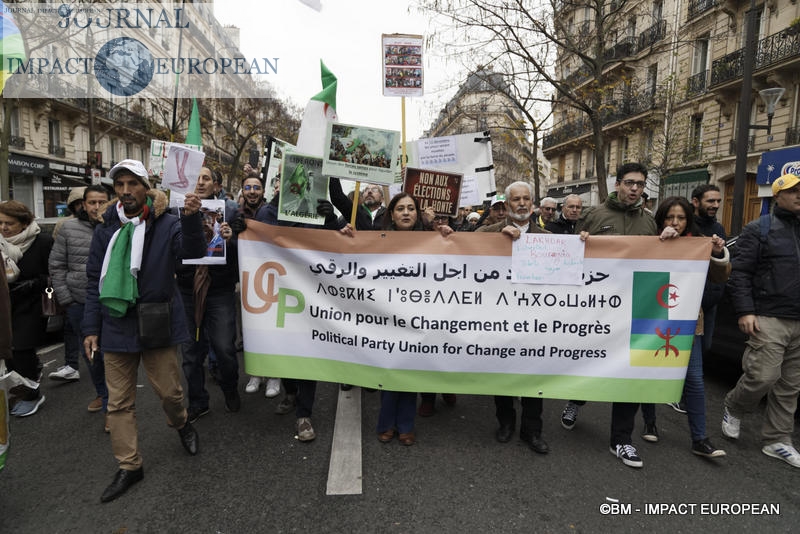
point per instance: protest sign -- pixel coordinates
(213, 211)
(413, 311)
(302, 184)
(158, 155)
(182, 169)
(361, 153)
(274, 154)
(547, 259)
(402, 65)
(435, 189)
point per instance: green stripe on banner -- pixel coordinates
(546, 386)
(645, 292)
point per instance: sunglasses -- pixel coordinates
(252, 188)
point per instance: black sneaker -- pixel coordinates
(650, 433)
(704, 448)
(570, 415)
(628, 455)
(233, 403)
(193, 414)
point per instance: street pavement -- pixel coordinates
(252, 475)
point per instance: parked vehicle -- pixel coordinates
(727, 346)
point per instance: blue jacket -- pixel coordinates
(167, 239)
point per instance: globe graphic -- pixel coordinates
(123, 66)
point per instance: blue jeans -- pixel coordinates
(398, 409)
(218, 329)
(694, 391)
(73, 346)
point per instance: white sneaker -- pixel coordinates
(65, 374)
(305, 432)
(730, 424)
(784, 452)
(253, 385)
(273, 387)
(628, 455)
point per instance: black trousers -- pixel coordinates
(531, 421)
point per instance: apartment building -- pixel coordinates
(670, 78)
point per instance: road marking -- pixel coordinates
(344, 470)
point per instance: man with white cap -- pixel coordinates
(765, 291)
(134, 311)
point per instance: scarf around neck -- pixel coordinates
(122, 262)
(12, 249)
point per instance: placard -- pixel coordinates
(362, 153)
(402, 65)
(434, 189)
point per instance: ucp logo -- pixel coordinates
(264, 288)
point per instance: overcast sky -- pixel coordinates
(346, 35)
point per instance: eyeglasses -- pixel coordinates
(252, 188)
(631, 183)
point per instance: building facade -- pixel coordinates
(55, 144)
(671, 79)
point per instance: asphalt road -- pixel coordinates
(252, 475)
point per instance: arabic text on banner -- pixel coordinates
(418, 312)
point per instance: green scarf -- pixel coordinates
(120, 288)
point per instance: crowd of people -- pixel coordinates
(116, 266)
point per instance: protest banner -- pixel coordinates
(435, 189)
(413, 311)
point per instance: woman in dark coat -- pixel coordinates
(25, 253)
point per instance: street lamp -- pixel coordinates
(770, 97)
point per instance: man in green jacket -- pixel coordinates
(623, 213)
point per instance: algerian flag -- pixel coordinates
(663, 318)
(194, 136)
(320, 111)
(11, 46)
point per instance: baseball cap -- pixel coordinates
(497, 198)
(134, 167)
(787, 181)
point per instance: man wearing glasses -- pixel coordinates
(547, 211)
(623, 213)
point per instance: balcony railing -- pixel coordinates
(769, 50)
(624, 48)
(653, 34)
(579, 76)
(58, 151)
(696, 7)
(792, 136)
(17, 141)
(618, 110)
(696, 85)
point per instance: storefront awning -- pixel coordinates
(776, 163)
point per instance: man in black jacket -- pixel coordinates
(765, 291)
(570, 213)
